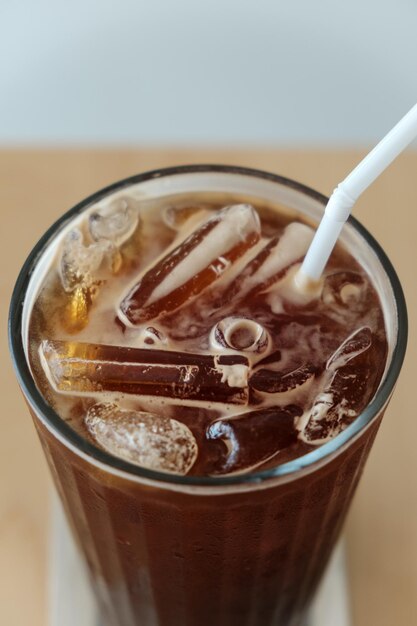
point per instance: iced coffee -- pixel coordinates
(167, 335)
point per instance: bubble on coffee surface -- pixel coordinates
(241, 334)
(145, 439)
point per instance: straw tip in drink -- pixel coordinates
(302, 288)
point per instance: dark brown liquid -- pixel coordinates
(253, 557)
(161, 558)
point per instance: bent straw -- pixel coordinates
(347, 192)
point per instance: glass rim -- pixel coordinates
(82, 445)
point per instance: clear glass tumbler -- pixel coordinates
(247, 550)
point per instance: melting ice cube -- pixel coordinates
(176, 217)
(359, 341)
(347, 384)
(87, 368)
(272, 262)
(151, 441)
(252, 438)
(81, 264)
(115, 223)
(344, 289)
(272, 381)
(197, 262)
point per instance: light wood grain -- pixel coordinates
(36, 186)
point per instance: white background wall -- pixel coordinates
(311, 72)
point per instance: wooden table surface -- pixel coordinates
(36, 186)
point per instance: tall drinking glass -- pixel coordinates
(167, 550)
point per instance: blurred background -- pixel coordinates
(234, 72)
(92, 91)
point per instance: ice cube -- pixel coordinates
(239, 333)
(348, 383)
(151, 441)
(254, 437)
(81, 264)
(177, 217)
(359, 341)
(115, 223)
(323, 420)
(329, 415)
(344, 289)
(272, 381)
(85, 368)
(196, 263)
(272, 262)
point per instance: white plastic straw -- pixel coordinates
(347, 192)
